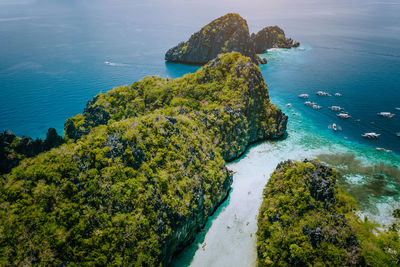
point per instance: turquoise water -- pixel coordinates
(229, 236)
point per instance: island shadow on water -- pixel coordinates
(175, 70)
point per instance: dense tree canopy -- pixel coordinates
(142, 170)
(306, 219)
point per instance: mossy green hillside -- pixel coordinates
(131, 192)
(228, 95)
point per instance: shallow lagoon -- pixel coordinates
(229, 237)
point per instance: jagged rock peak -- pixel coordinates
(229, 33)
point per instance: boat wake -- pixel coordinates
(115, 64)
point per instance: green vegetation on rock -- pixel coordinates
(143, 168)
(228, 96)
(13, 149)
(226, 34)
(271, 37)
(306, 219)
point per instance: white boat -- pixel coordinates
(322, 93)
(289, 105)
(338, 94)
(303, 95)
(398, 134)
(316, 106)
(370, 135)
(343, 115)
(397, 108)
(309, 103)
(107, 63)
(386, 114)
(335, 108)
(334, 127)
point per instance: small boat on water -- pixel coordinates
(316, 106)
(398, 134)
(289, 105)
(386, 114)
(303, 95)
(335, 127)
(335, 108)
(370, 135)
(309, 103)
(322, 93)
(343, 115)
(338, 94)
(383, 149)
(397, 108)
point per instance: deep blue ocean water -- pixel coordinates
(52, 56)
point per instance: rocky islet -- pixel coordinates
(229, 33)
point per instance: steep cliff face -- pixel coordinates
(228, 33)
(271, 37)
(143, 169)
(129, 193)
(252, 118)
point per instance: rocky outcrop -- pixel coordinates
(234, 122)
(93, 115)
(256, 120)
(228, 33)
(305, 219)
(271, 37)
(13, 149)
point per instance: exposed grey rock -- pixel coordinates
(271, 37)
(228, 33)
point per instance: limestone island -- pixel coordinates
(141, 170)
(307, 219)
(229, 33)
